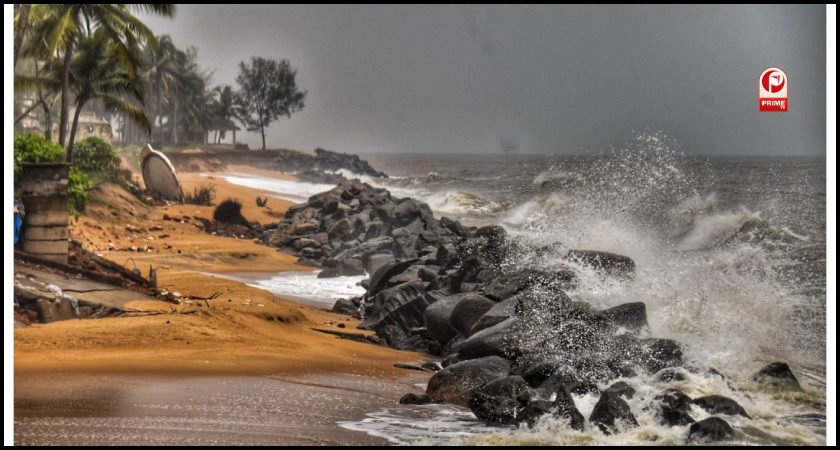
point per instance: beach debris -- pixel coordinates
(411, 366)
(261, 202)
(230, 211)
(159, 176)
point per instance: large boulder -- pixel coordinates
(612, 413)
(467, 312)
(456, 383)
(507, 339)
(778, 374)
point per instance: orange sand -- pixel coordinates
(244, 331)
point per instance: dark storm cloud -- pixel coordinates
(532, 79)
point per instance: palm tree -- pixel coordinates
(60, 27)
(162, 73)
(96, 71)
(21, 23)
(223, 106)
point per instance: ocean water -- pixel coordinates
(730, 256)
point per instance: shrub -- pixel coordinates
(95, 155)
(202, 195)
(78, 184)
(32, 148)
(230, 211)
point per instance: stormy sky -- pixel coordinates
(529, 79)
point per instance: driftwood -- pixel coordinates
(108, 264)
(351, 336)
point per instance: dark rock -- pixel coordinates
(505, 287)
(467, 312)
(427, 274)
(495, 410)
(450, 359)
(415, 399)
(504, 339)
(376, 261)
(778, 374)
(618, 266)
(402, 306)
(346, 306)
(622, 389)
(669, 375)
(456, 383)
(612, 413)
(437, 315)
(673, 408)
(341, 230)
(496, 237)
(454, 226)
(564, 408)
(718, 404)
(379, 279)
(712, 429)
(497, 314)
(658, 354)
(350, 267)
(513, 387)
(407, 276)
(501, 401)
(632, 316)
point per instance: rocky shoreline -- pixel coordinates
(513, 346)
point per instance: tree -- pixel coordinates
(267, 90)
(96, 71)
(21, 23)
(60, 26)
(223, 106)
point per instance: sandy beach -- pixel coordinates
(247, 339)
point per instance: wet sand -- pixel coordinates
(103, 409)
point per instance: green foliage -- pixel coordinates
(202, 195)
(35, 149)
(77, 187)
(32, 148)
(95, 155)
(267, 90)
